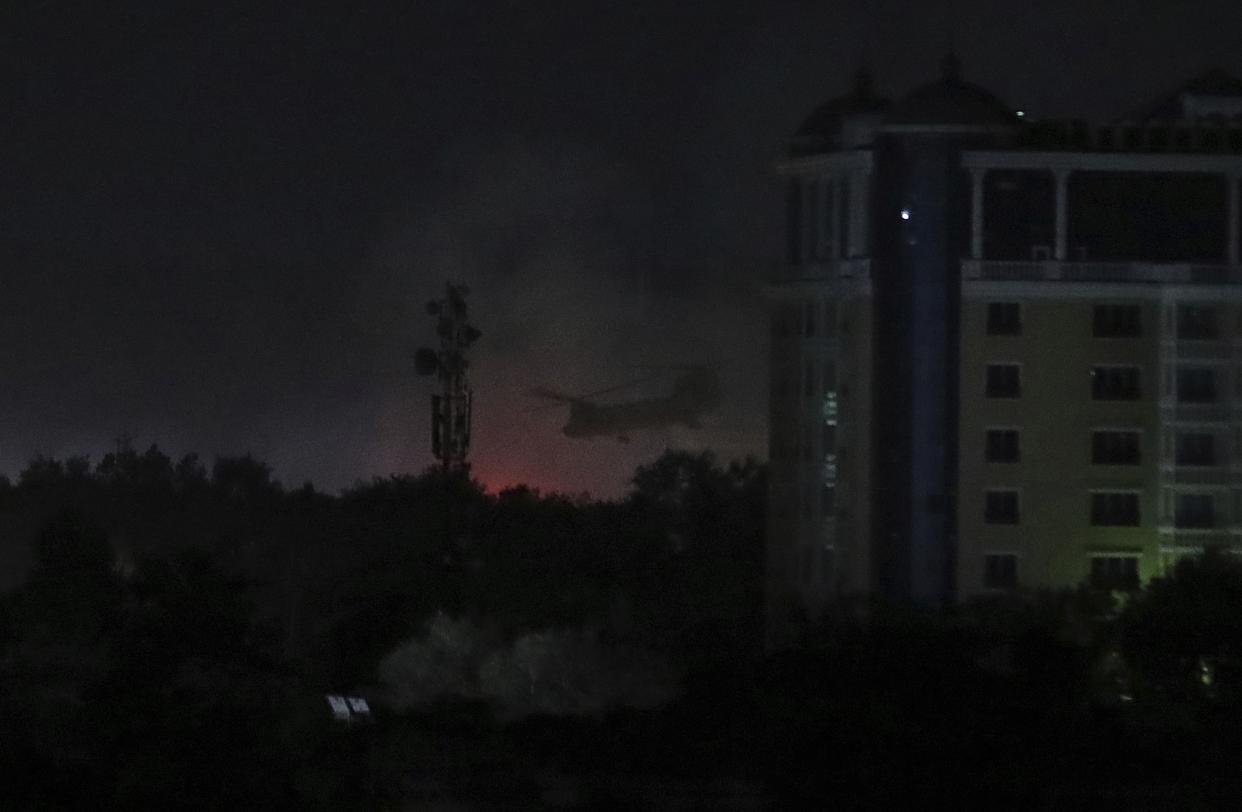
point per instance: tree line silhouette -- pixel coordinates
(168, 632)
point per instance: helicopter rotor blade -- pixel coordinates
(551, 394)
(619, 387)
(667, 368)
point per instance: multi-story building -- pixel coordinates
(1006, 353)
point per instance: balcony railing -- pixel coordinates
(1196, 350)
(1223, 410)
(1053, 271)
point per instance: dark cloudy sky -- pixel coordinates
(220, 225)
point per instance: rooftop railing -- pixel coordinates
(1120, 272)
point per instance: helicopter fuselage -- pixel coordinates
(694, 394)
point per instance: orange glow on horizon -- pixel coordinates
(496, 477)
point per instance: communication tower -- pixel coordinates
(450, 409)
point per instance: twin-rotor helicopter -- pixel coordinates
(696, 391)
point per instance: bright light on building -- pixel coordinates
(905, 214)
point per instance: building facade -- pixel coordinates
(1005, 353)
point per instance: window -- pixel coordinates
(1000, 571)
(1000, 507)
(830, 374)
(1114, 509)
(1002, 446)
(1004, 319)
(808, 319)
(1116, 321)
(1115, 448)
(808, 379)
(1194, 511)
(830, 408)
(1114, 571)
(830, 318)
(1004, 381)
(1196, 385)
(1196, 322)
(1115, 383)
(1195, 448)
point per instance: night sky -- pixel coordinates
(220, 226)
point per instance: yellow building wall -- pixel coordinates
(1055, 415)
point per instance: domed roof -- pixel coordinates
(950, 102)
(825, 121)
(1178, 105)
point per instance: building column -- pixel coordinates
(976, 212)
(1233, 218)
(1060, 176)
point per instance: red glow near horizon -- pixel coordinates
(496, 476)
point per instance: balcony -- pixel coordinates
(1219, 476)
(1197, 350)
(1174, 535)
(1115, 272)
(1222, 411)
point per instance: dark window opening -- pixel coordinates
(1000, 571)
(1196, 385)
(1115, 383)
(1004, 381)
(1115, 448)
(1004, 319)
(1002, 445)
(1000, 507)
(1115, 509)
(1114, 571)
(1195, 449)
(1196, 322)
(1194, 511)
(1116, 321)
